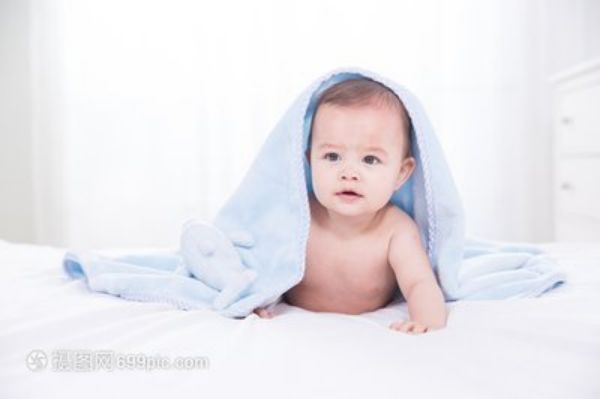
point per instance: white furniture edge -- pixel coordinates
(574, 72)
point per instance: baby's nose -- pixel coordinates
(349, 175)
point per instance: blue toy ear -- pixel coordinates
(241, 238)
(207, 247)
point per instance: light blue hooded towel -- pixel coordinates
(254, 250)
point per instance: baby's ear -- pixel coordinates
(408, 166)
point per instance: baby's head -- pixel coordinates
(360, 142)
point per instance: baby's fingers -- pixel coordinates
(263, 313)
(402, 326)
(409, 327)
(419, 329)
(396, 325)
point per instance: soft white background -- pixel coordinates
(121, 119)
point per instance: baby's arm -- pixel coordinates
(416, 280)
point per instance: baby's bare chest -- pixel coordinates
(358, 265)
(347, 275)
(350, 276)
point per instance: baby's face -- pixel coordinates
(358, 149)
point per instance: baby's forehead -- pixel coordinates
(381, 108)
(378, 137)
(381, 116)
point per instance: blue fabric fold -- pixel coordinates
(254, 250)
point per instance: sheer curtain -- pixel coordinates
(149, 112)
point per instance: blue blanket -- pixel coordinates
(254, 250)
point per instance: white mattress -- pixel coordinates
(546, 347)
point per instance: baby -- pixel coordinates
(361, 247)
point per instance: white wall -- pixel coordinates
(16, 186)
(488, 119)
(132, 111)
(571, 33)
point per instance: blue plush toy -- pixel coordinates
(210, 256)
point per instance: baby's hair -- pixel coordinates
(365, 91)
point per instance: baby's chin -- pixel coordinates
(352, 210)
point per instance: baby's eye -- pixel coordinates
(332, 156)
(372, 159)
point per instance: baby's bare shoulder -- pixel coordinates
(399, 221)
(403, 231)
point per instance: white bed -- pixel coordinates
(546, 347)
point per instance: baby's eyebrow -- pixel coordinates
(376, 149)
(327, 145)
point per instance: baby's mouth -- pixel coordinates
(348, 193)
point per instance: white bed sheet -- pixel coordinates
(546, 347)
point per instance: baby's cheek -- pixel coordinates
(376, 200)
(385, 185)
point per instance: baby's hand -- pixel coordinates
(409, 327)
(263, 313)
